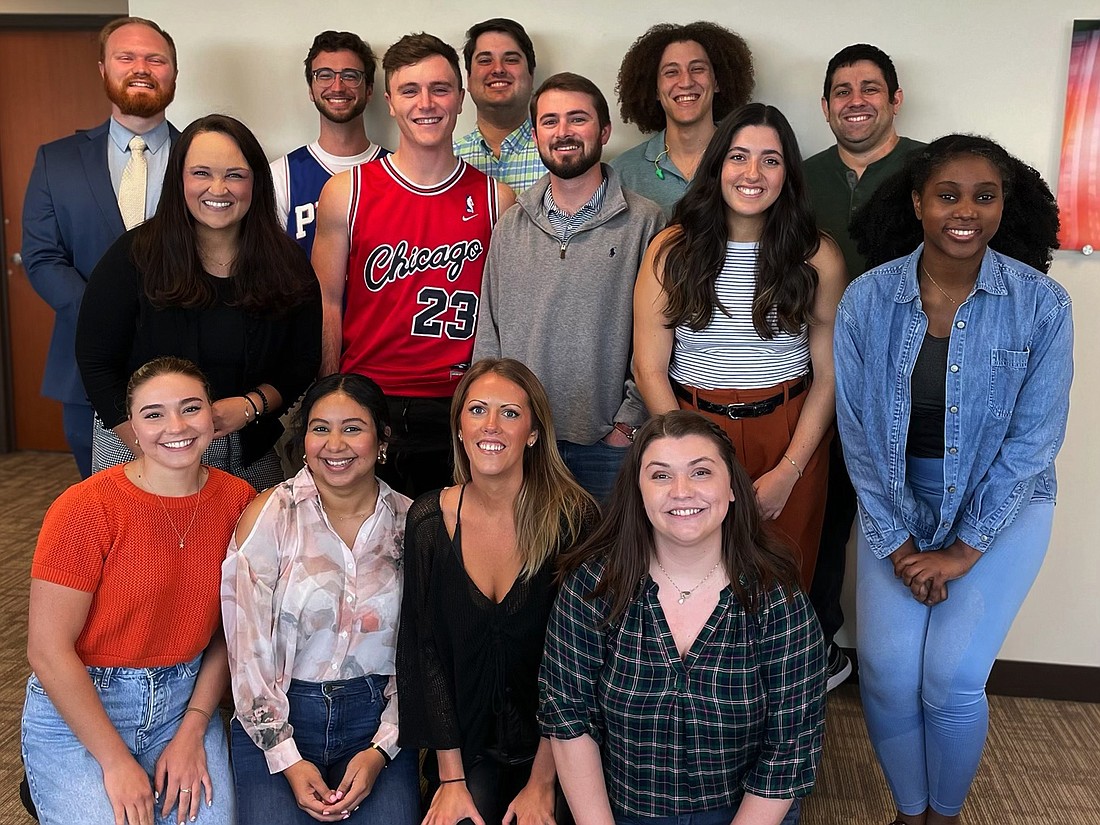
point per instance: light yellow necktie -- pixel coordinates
(131, 192)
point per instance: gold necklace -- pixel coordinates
(181, 536)
(685, 593)
(943, 292)
(210, 259)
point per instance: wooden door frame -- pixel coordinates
(16, 22)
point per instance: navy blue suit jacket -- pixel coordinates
(70, 218)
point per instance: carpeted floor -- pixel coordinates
(1041, 766)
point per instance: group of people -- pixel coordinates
(566, 511)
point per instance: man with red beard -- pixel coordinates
(72, 210)
(340, 73)
(559, 285)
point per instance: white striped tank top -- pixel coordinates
(727, 353)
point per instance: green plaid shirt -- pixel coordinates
(744, 710)
(519, 164)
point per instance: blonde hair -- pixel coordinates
(550, 501)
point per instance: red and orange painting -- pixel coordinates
(1079, 178)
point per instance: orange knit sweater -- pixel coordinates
(153, 605)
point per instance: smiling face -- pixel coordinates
(499, 75)
(217, 181)
(341, 442)
(338, 101)
(496, 426)
(568, 133)
(138, 74)
(753, 174)
(859, 109)
(425, 99)
(686, 491)
(686, 84)
(172, 419)
(960, 208)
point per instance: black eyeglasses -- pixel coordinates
(350, 77)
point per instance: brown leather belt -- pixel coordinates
(751, 409)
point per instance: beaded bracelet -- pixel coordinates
(263, 398)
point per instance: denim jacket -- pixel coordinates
(1010, 362)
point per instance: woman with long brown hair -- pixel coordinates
(733, 317)
(213, 278)
(684, 670)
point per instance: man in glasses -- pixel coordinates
(340, 74)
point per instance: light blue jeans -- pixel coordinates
(922, 670)
(146, 706)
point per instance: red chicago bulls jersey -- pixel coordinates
(414, 276)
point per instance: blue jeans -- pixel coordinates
(922, 670)
(594, 466)
(146, 706)
(721, 816)
(333, 721)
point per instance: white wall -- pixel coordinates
(996, 67)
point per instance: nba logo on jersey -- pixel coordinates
(469, 204)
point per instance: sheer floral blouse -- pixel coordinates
(298, 603)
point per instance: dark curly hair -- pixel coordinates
(693, 256)
(729, 56)
(886, 227)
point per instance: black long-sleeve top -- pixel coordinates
(119, 330)
(467, 668)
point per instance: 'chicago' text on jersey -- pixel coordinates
(386, 263)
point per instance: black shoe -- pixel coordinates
(838, 668)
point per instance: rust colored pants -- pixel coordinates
(760, 444)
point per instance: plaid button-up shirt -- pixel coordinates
(742, 711)
(519, 164)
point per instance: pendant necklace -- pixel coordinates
(943, 292)
(685, 593)
(181, 536)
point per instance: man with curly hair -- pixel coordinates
(860, 100)
(701, 72)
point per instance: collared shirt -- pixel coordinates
(1010, 363)
(298, 603)
(836, 193)
(742, 711)
(638, 167)
(565, 224)
(157, 148)
(519, 164)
